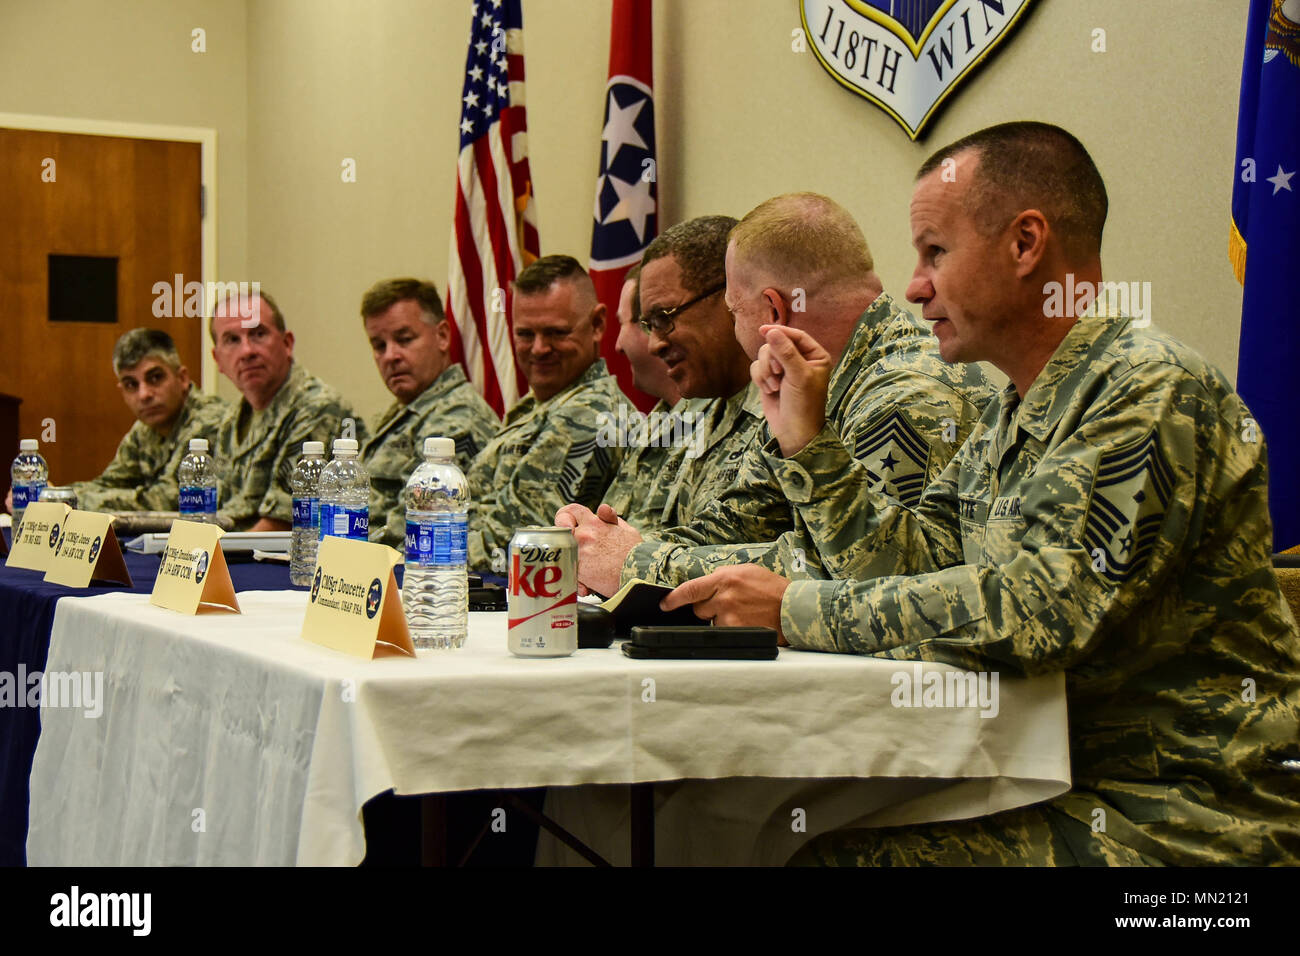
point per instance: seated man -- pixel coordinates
(169, 412)
(683, 275)
(409, 336)
(283, 405)
(800, 260)
(1107, 518)
(547, 452)
(648, 448)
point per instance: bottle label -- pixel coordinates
(339, 522)
(27, 494)
(306, 512)
(437, 540)
(191, 501)
(210, 499)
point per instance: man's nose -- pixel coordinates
(919, 290)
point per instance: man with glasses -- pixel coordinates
(547, 451)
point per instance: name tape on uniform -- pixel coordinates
(86, 550)
(355, 606)
(193, 576)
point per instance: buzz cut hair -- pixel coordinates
(1031, 165)
(700, 247)
(277, 317)
(385, 294)
(537, 277)
(139, 344)
(803, 239)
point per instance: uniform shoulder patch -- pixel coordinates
(895, 455)
(1129, 498)
(585, 473)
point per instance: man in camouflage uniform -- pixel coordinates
(283, 405)
(800, 260)
(649, 445)
(170, 411)
(547, 451)
(410, 338)
(1107, 518)
(683, 275)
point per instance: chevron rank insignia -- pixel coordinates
(1129, 497)
(586, 470)
(895, 455)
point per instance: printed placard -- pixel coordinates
(33, 544)
(193, 576)
(86, 550)
(355, 606)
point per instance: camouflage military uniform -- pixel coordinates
(546, 455)
(256, 451)
(450, 407)
(1113, 525)
(142, 475)
(897, 406)
(636, 494)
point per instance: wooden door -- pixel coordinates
(135, 201)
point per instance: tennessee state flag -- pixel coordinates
(627, 191)
(1265, 248)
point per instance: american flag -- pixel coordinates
(494, 233)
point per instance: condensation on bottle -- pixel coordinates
(305, 485)
(435, 581)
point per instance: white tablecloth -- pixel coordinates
(226, 739)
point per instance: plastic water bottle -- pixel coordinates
(345, 494)
(435, 584)
(305, 484)
(198, 480)
(29, 476)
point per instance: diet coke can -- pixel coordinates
(543, 593)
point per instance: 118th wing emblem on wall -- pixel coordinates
(906, 56)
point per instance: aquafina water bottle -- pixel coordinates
(305, 485)
(29, 476)
(435, 584)
(345, 494)
(198, 481)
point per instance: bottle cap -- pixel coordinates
(439, 448)
(313, 448)
(28, 444)
(199, 444)
(345, 445)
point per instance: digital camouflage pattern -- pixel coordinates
(636, 494)
(897, 406)
(546, 455)
(256, 452)
(1112, 525)
(698, 471)
(450, 407)
(143, 474)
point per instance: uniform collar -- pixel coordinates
(593, 374)
(870, 324)
(1058, 384)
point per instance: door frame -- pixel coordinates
(206, 137)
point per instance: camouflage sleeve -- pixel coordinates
(566, 463)
(1048, 608)
(163, 493)
(317, 421)
(115, 488)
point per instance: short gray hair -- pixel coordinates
(139, 344)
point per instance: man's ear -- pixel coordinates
(778, 314)
(598, 322)
(1029, 233)
(442, 335)
(184, 375)
(288, 341)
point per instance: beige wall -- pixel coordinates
(130, 61)
(741, 117)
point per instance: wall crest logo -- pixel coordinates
(907, 56)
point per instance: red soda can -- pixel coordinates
(543, 593)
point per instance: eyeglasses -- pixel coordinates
(661, 322)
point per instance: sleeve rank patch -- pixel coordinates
(895, 455)
(1129, 497)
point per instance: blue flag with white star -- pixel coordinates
(1265, 248)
